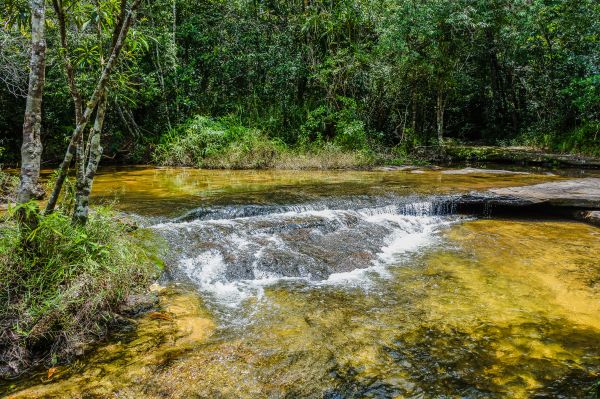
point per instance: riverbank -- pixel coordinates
(64, 286)
(524, 156)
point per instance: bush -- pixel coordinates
(342, 127)
(226, 144)
(60, 284)
(223, 143)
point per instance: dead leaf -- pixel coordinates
(160, 316)
(52, 371)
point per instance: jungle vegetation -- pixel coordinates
(302, 74)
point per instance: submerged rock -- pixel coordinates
(138, 303)
(477, 171)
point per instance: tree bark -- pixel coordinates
(440, 108)
(91, 105)
(92, 157)
(31, 149)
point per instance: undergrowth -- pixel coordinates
(61, 284)
(584, 140)
(225, 144)
(8, 186)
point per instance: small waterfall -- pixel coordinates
(228, 251)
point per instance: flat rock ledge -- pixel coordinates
(477, 171)
(575, 199)
(514, 155)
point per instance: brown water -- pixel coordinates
(445, 306)
(168, 191)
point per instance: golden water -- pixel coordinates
(497, 308)
(168, 191)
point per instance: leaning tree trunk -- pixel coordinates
(91, 158)
(119, 41)
(31, 149)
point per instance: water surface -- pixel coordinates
(347, 285)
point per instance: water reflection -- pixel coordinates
(169, 192)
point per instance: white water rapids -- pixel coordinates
(232, 253)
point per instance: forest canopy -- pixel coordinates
(389, 73)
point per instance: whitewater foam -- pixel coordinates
(236, 258)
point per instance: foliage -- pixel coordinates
(582, 140)
(333, 72)
(341, 126)
(204, 142)
(61, 282)
(225, 143)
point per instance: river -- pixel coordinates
(352, 284)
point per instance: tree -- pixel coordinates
(31, 149)
(89, 154)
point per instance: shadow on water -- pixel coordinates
(448, 364)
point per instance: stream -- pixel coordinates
(349, 284)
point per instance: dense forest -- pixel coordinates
(353, 73)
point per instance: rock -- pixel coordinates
(578, 193)
(591, 217)
(575, 199)
(138, 303)
(395, 168)
(468, 171)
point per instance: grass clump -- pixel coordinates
(8, 186)
(324, 156)
(61, 284)
(207, 143)
(224, 143)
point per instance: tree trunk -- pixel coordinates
(440, 108)
(92, 157)
(91, 105)
(31, 149)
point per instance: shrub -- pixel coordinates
(60, 284)
(341, 126)
(223, 143)
(250, 151)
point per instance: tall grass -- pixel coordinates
(61, 283)
(8, 186)
(224, 144)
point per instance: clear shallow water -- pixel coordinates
(171, 192)
(347, 289)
